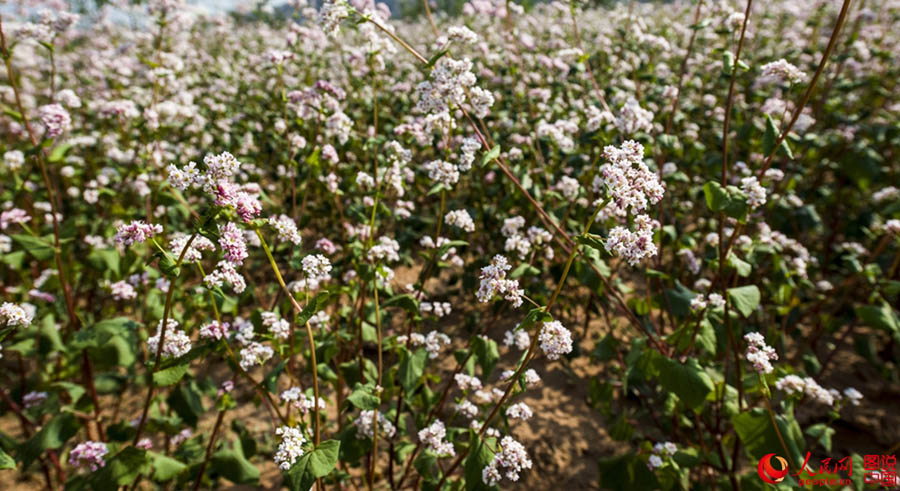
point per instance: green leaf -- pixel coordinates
(121, 470)
(679, 299)
(770, 136)
(492, 154)
(822, 433)
(742, 267)
(480, 456)
(363, 397)
(74, 391)
(165, 467)
(405, 301)
(730, 200)
(593, 241)
(688, 381)
(626, 471)
(487, 352)
(99, 334)
(716, 196)
(858, 476)
(437, 56)
(313, 465)
(411, 368)
(314, 306)
(105, 259)
(324, 458)
(167, 264)
(727, 63)
(59, 152)
(524, 269)
(6, 462)
(744, 298)
(170, 376)
(52, 436)
(300, 477)
(186, 401)
(754, 427)
(882, 317)
(534, 316)
(39, 248)
(233, 466)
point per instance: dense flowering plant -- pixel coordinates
(329, 248)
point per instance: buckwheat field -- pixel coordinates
(450, 246)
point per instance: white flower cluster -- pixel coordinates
(442, 171)
(177, 343)
(291, 447)
(451, 256)
(467, 382)
(785, 244)
(633, 245)
(531, 377)
(439, 309)
(660, 451)
(317, 268)
(332, 14)
(280, 328)
(217, 181)
(630, 184)
(466, 408)
(759, 354)
(468, 148)
(494, 282)
(512, 459)
(286, 229)
(14, 316)
(452, 83)
(712, 300)
(432, 342)
(194, 252)
(780, 71)
(225, 272)
(214, 330)
(301, 401)
(756, 193)
(889, 193)
(560, 132)
(555, 340)
(523, 242)
(255, 354)
(519, 410)
(387, 249)
(365, 429)
(806, 386)
(520, 339)
(633, 118)
(568, 187)
(631, 187)
(461, 219)
(433, 436)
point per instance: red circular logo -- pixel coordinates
(768, 473)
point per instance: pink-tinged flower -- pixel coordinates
(232, 242)
(214, 330)
(555, 340)
(14, 215)
(136, 231)
(55, 119)
(88, 454)
(13, 315)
